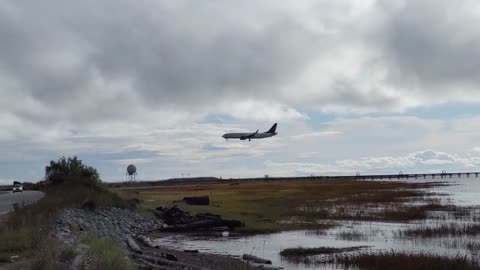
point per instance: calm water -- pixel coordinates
(377, 235)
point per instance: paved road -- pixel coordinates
(7, 199)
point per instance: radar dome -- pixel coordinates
(131, 169)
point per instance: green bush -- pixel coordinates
(71, 170)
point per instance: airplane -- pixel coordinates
(254, 135)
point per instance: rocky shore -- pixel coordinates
(127, 226)
(114, 223)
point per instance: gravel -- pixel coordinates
(114, 223)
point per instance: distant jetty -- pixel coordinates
(215, 180)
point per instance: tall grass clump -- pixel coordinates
(441, 231)
(394, 260)
(105, 253)
(46, 256)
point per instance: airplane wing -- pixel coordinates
(249, 136)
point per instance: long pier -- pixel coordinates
(402, 176)
(358, 177)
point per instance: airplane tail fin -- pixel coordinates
(273, 129)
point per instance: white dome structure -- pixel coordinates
(131, 173)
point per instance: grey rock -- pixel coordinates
(77, 262)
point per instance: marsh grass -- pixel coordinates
(303, 252)
(473, 247)
(394, 260)
(351, 236)
(453, 229)
(290, 205)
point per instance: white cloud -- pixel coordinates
(261, 111)
(118, 78)
(422, 161)
(315, 134)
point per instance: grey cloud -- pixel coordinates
(117, 73)
(433, 44)
(91, 59)
(345, 92)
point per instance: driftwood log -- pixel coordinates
(147, 242)
(204, 224)
(133, 245)
(202, 200)
(251, 258)
(160, 261)
(256, 266)
(173, 215)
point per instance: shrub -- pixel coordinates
(71, 170)
(105, 253)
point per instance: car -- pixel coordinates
(17, 188)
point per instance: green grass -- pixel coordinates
(288, 205)
(105, 253)
(67, 254)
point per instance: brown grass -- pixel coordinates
(295, 253)
(399, 261)
(442, 230)
(351, 236)
(284, 205)
(46, 256)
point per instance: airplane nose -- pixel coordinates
(223, 136)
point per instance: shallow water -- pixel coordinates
(377, 235)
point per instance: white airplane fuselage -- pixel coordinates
(252, 135)
(245, 135)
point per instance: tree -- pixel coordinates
(71, 170)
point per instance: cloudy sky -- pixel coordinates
(356, 86)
